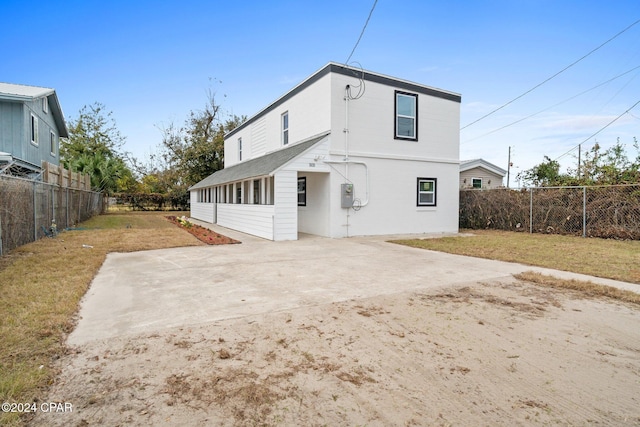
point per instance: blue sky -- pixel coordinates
(151, 63)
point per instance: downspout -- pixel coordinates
(346, 142)
(346, 129)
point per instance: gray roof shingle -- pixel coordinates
(260, 166)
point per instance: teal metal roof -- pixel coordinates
(259, 166)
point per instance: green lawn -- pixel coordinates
(612, 259)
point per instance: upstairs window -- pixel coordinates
(239, 149)
(34, 130)
(406, 116)
(476, 182)
(52, 143)
(285, 128)
(45, 104)
(427, 191)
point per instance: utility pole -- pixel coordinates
(579, 153)
(509, 167)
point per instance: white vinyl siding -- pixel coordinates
(259, 137)
(202, 211)
(252, 219)
(286, 206)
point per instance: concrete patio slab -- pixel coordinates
(151, 290)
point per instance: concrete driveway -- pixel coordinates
(152, 290)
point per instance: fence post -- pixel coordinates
(531, 210)
(584, 211)
(35, 213)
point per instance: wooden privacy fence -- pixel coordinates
(62, 177)
(611, 211)
(27, 208)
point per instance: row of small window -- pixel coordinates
(256, 192)
(35, 136)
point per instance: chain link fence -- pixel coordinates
(600, 211)
(28, 209)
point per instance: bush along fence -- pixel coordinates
(596, 211)
(29, 209)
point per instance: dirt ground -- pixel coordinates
(507, 354)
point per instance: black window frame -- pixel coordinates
(303, 193)
(395, 116)
(435, 192)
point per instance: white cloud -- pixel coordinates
(577, 123)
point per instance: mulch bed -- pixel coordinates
(205, 235)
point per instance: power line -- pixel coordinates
(554, 105)
(361, 33)
(546, 80)
(601, 129)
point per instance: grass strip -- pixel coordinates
(611, 259)
(41, 285)
(584, 288)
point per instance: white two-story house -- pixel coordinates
(346, 152)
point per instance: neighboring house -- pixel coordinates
(479, 173)
(31, 124)
(347, 152)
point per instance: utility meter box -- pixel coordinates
(346, 195)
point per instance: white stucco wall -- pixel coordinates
(371, 124)
(314, 217)
(394, 165)
(392, 199)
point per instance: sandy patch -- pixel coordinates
(488, 354)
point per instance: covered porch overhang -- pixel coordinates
(260, 196)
